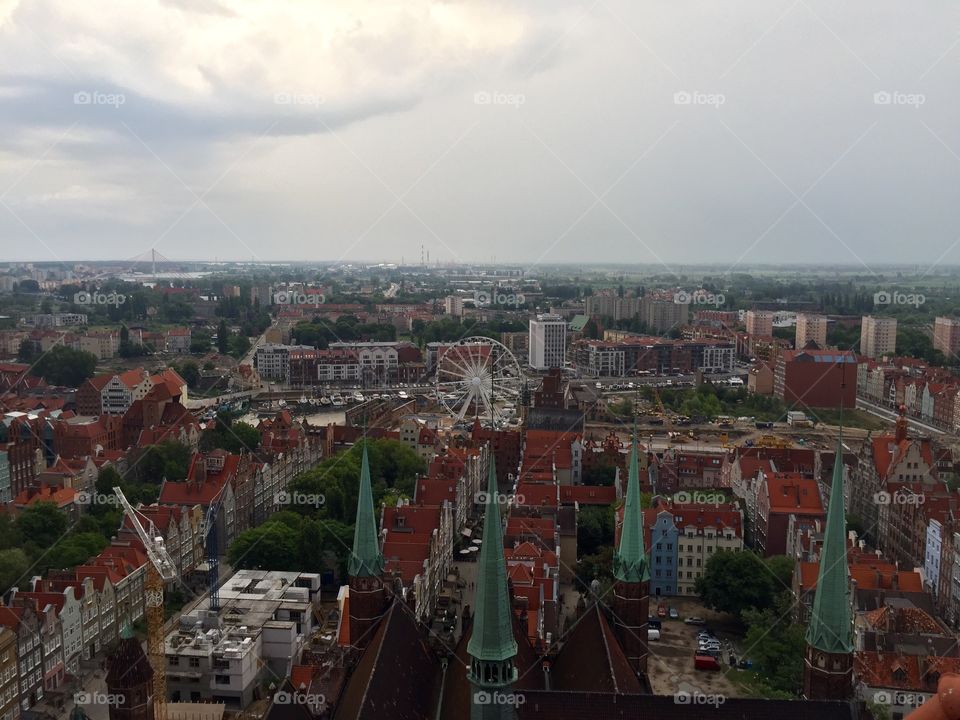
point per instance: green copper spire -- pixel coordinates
(492, 638)
(366, 560)
(830, 627)
(630, 561)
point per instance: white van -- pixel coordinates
(653, 634)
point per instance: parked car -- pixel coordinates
(695, 621)
(653, 634)
(654, 623)
(662, 610)
(674, 615)
(705, 662)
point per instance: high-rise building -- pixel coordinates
(946, 335)
(548, 342)
(453, 305)
(878, 336)
(811, 327)
(759, 322)
(609, 305)
(663, 311)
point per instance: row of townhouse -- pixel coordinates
(65, 617)
(682, 537)
(103, 344)
(744, 471)
(928, 394)
(886, 465)
(418, 549)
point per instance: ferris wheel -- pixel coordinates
(479, 377)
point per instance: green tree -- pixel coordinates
(167, 460)
(273, 545)
(776, 646)
(735, 582)
(42, 524)
(14, 564)
(65, 366)
(190, 373)
(230, 435)
(594, 528)
(223, 337)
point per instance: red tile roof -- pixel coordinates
(790, 493)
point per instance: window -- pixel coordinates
(222, 679)
(194, 662)
(174, 661)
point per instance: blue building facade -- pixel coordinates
(663, 555)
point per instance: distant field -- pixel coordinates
(851, 418)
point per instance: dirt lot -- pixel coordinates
(670, 664)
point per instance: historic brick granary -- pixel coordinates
(130, 680)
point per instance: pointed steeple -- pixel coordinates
(830, 628)
(366, 560)
(630, 561)
(492, 639)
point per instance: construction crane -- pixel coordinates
(161, 571)
(213, 560)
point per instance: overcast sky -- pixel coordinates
(536, 132)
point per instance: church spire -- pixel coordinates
(366, 560)
(830, 626)
(492, 647)
(630, 561)
(828, 657)
(492, 638)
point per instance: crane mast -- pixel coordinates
(161, 570)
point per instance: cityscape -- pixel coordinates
(490, 361)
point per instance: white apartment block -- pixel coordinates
(878, 336)
(548, 342)
(759, 322)
(811, 327)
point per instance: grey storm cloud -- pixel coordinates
(540, 133)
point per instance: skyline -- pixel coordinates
(743, 135)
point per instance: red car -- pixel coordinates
(661, 610)
(705, 662)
